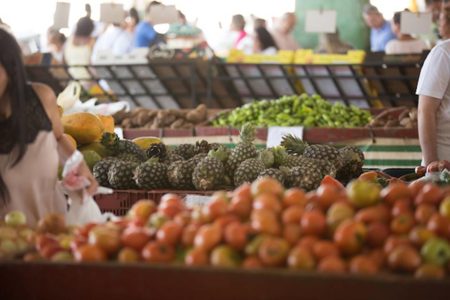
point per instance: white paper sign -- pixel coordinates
(416, 23)
(196, 200)
(275, 134)
(61, 16)
(163, 14)
(111, 13)
(320, 21)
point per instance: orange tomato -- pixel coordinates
(292, 214)
(363, 265)
(308, 242)
(313, 223)
(350, 237)
(267, 201)
(236, 235)
(183, 218)
(404, 258)
(416, 186)
(420, 235)
(90, 253)
(188, 235)
(395, 191)
(430, 193)
(208, 236)
(326, 195)
(424, 212)
(369, 176)
(402, 224)
(265, 221)
(158, 252)
(292, 233)
(429, 271)
(267, 185)
(377, 213)
(439, 225)
(332, 264)
(252, 262)
(377, 233)
(294, 196)
(142, 210)
(328, 180)
(135, 237)
(171, 205)
(394, 241)
(244, 192)
(215, 208)
(402, 206)
(301, 258)
(273, 251)
(241, 206)
(226, 219)
(169, 233)
(322, 249)
(128, 255)
(196, 257)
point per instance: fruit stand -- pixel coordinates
(96, 281)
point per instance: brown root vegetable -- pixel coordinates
(188, 125)
(197, 115)
(391, 123)
(141, 119)
(177, 124)
(126, 123)
(413, 114)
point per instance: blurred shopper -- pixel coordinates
(434, 105)
(283, 32)
(331, 43)
(433, 7)
(404, 43)
(78, 49)
(263, 42)
(259, 22)
(380, 29)
(32, 143)
(146, 35)
(237, 27)
(55, 42)
(444, 23)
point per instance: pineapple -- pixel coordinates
(129, 157)
(307, 177)
(293, 145)
(120, 175)
(353, 163)
(100, 171)
(117, 146)
(244, 150)
(179, 174)
(273, 173)
(209, 173)
(186, 151)
(151, 175)
(249, 169)
(202, 147)
(158, 150)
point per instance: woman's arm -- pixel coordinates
(65, 148)
(428, 107)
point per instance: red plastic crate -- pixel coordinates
(121, 201)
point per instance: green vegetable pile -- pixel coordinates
(303, 110)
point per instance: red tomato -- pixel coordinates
(252, 262)
(308, 242)
(241, 206)
(301, 258)
(294, 196)
(402, 224)
(267, 201)
(363, 265)
(188, 235)
(377, 213)
(439, 224)
(90, 253)
(313, 223)
(135, 237)
(328, 180)
(395, 191)
(350, 237)
(215, 208)
(236, 235)
(208, 236)
(273, 251)
(377, 233)
(326, 195)
(322, 249)
(292, 233)
(169, 233)
(394, 241)
(430, 193)
(265, 221)
(332, 264)
(424, 212)
(404, 258)
(402, 206)
(158, 252)
(196, 257)
(292, 214)
(267, 185)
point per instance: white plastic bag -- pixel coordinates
(83, 209)
(70, 95)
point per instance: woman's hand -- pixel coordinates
(85, 172)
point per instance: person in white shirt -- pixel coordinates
(404, 43)
(434, 105)
(115, 39)
(283, 32)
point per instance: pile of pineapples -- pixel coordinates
(206, 166)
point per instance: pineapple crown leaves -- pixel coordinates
(267, 157)
(157, 150)
(152, 160)
(221, 153)
(293, 144)
(109, 139)
(279, 155)
(285, 170)
(248, 133)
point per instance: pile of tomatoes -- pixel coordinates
(359, 229)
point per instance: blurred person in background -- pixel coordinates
(55, 42)
(331, 43)
(380, 29)
(444, 23)
(283, 32)
(32, 141)
(78, 48)
(241, 37)
(263, 42)
(145, 34)
(404, 43)
(433, 7)
(259, 22)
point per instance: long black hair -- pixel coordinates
(16, 88)
(265, 38)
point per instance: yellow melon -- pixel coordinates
(146, 141)
(108, 123)
(71, 140)
(84, 127)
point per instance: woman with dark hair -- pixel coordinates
(31, 141)
(264, 42)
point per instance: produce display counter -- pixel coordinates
(113, 281)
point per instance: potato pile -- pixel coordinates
(396, 117)
(166, 118)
